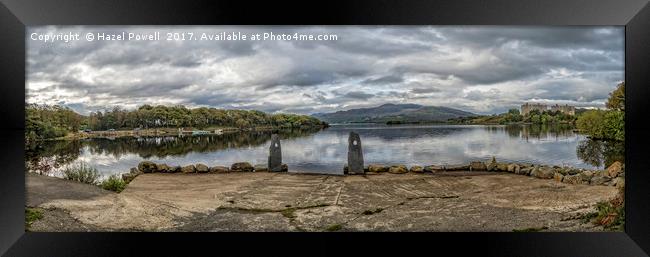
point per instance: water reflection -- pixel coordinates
(325, 151)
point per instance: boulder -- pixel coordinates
(477, 166)
(586, 175)
(135, 170)
(163, 168)
(201, 168)
(456, 167)
(513, 168)
(377, 168)
(524, 171)
(619, 182)
(572, 171)
(261, 168)
(544, 172)
(128, 177)
(241, 167)
(492, 165)
(574, 179)
(398, 169)
(175, 169)
(188, 169)
(600, 180)
(558, 176)
(417, 169)
(615, 169)
(219, 169)
(434, 168)
(502, 167)
(147, 167)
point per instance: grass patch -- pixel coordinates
(81, 172)
(32, 215)
(289, 213)
(334, 227)
(114, 183)
(530, 229)
(371, 212)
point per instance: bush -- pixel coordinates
(81, 172)
(615, 125)
(114, 183)
(591, 122)
(603, 124)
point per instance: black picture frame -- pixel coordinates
(15, 15)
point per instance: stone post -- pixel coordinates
(355, 154)
(275, 154)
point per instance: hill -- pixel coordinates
(393, 113)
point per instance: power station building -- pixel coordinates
(526, 108)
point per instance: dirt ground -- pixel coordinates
(299, 202)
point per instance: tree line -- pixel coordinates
(56, 121)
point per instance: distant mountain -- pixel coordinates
(393, 112)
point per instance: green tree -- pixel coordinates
(592, 123)
(616, 99)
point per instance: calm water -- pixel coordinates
(325, 151)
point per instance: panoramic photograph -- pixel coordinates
(325, 128)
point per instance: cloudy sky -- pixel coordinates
(482, 69)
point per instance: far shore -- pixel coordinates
(164, 132)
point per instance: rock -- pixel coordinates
(502, 167)
(264, 168)
(201, 168)
(558, 176)
(571, 171)
(219, 169)
(163, 168)
(586, 176)
(398, 169)
(355, 154)
(543, 172)
(513, 168)
(574, 179)
(615, 169)
(134, 170)
(175, 169)
(241, 167)
(128, 177)
(434, 168)
(147, 167)
(492, 165)
(417, 169)
(456, 167)
(600, 180)
(377, 168)
(477, 166)
(188, 169)
(275, 154)
(524, 171)
(619, 182)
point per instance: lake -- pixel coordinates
(325, 151)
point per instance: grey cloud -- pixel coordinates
(368, 65)
(390, 79)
